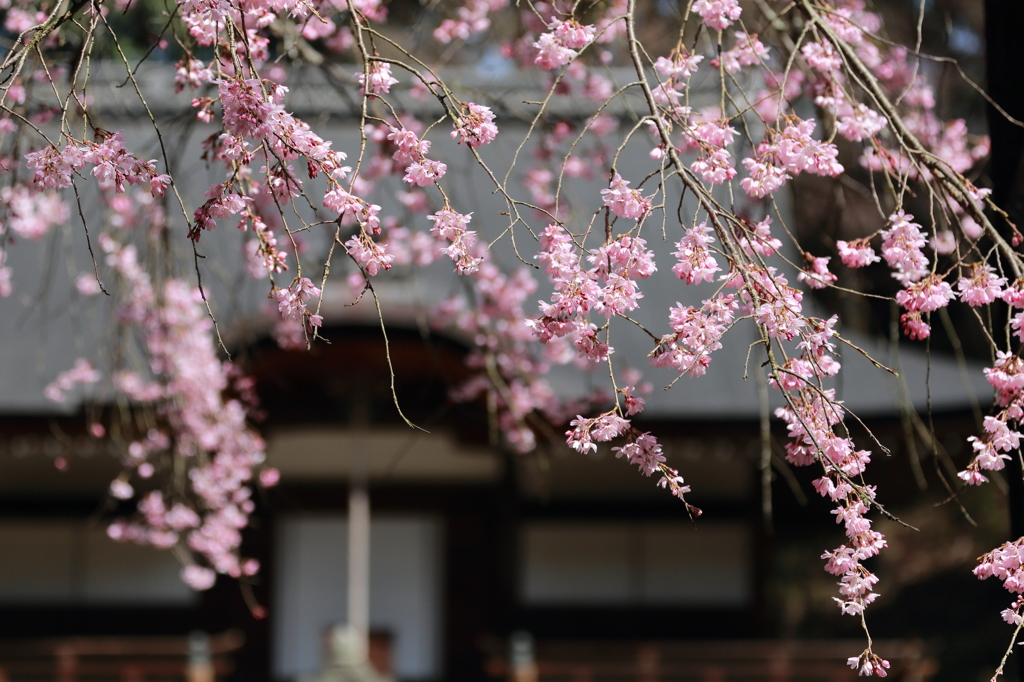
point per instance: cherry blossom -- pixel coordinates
(816, 275)
(451, 227)
(644, 451)
(718, 14)
(696, 264)
(378, 75)
(81, 373)
(291, 302)
(748, 51)
(925, 296)
(476, 126)
(623, 201)
(397, 209)
(982, 287)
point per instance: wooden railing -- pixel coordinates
(193, 658)
(710, 661)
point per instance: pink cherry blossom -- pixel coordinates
(644, 451)
(451, 227)
(914, 327)
(552, 52)
(718, 14)
(759, 239)
(696, 264)
(860, 124)
(475, 127)
(424, 173)
(81, 373)
(291, 302)
(925, 296)
(821, 56)
(623, 201)
(943, 243)
(379, 78)
(680, 65)
(816, 276)
(370, 255)
(198, 578)
(748, 51)
(982, 287)
(902, 248)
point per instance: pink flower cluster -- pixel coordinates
(1006, 563)
(472, 20)
(856, 254)
(926, 295)
(641, 449)
(748, 51)
(608, 288)
(31, 213)
(561, 44)
(902, 248)
(623, 201)
(644, 451)
(113, 166)
(860, 123)
(758, 239)
(450, 226)
(292, 302)
(576, 292)
(496, 322)
(718, 14)
(696, 335)
(789, 151)
(715, 162)
(679, 66)
(262, 252)
(476, 126)
(411, 150)
(587, 433)
(767, 296)
(821, 56)
(811, 415)
(1007, 378)
(696, 264)
(982, 287)
(247, 111)
(223, 201)
(378, 75)
(816, 274)
(676, 70)
(351, 208)
(368, 254)
(187, 397)
(81, 373)
(191, 72)
(868, 664)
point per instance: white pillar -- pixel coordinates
(359, 558)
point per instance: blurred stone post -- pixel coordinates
(522, 662)
(200, 660)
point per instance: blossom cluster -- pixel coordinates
(561, 44)
(112, 165)
(609, 288)
(399, 208)
(207, 432)
(696, 334)
(811, 415)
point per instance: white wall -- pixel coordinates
(63, 561)
(405, 590)
(588, 563)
